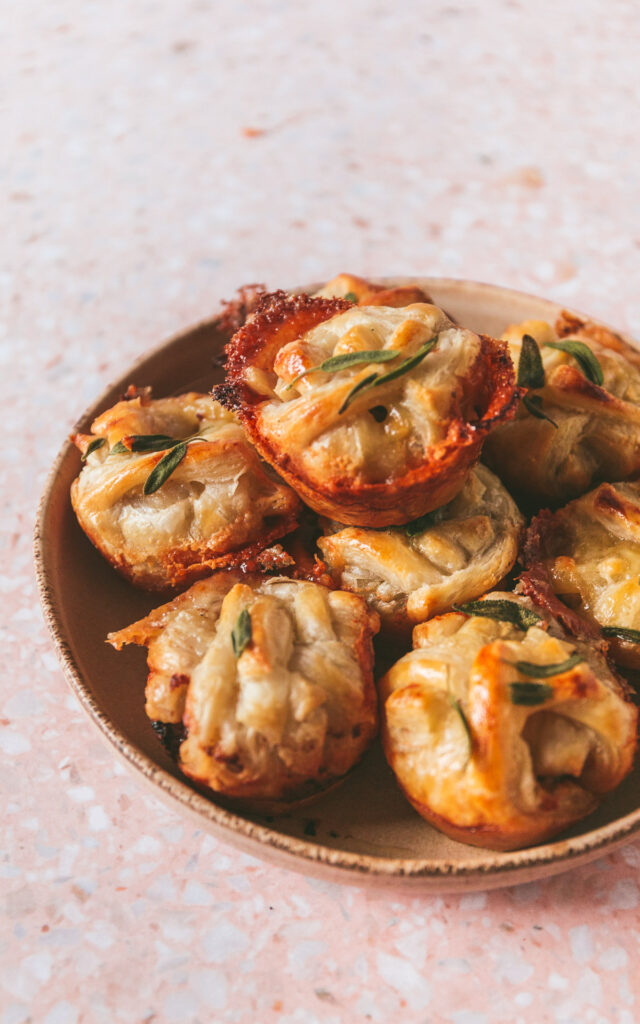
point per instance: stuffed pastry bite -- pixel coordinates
(373, 414)
(588, 553)
(409, 573)
(505, 730)
(171, 488)
(579, 423)
(272, 679)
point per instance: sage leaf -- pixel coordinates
(377, 379)
(365, 383)
(241, 632)
(163, 469)
(503, 611)
(584, 357)
(93, 446)
(143, 443)
(534, 405)
(530, 694)
(529, 668)
(622, 633)
(457, 706)
(530, 368)
(347, 359)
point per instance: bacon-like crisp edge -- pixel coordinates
(491, 384)
(535, 582)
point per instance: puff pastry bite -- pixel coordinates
(218, 503)
(589, 554)
(593, 399)
(412, 572)
(273, 679)
(502, 733)
(387, 432)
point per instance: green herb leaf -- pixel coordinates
(144, 443)
(530, 694)
(534, 404)
(503, 611)
(377, 379)
(529, 668)
(361, 386)
(241, 632)
(457, 706)
(342, 362)
(163, 469)
(622, 633)
(584, 356)
(423, 523)
(530, 368)
(93, 447)
(351, 297)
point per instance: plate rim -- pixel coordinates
(258, 839)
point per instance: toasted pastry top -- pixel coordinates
(272, 678)
(218, 501)
(502, 734)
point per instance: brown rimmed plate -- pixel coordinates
(364, 832)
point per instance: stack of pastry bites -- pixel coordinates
(330, 489)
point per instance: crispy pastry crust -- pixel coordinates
(286, 719)
(522, 772)
(339, 486)
(598, 428)
(220, 507)
(588, 554)
(466, 549)
(369, 294)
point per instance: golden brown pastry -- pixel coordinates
(409, 573)
(273, 679)
(591, 392)
(501, 733)
(387, 433)
(218, 504)
(589, 554)
(365, 293)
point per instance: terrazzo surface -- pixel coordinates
(155, 156)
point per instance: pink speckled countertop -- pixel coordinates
(155, 155)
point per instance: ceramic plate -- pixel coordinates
(364, 832)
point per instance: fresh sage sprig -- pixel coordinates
(622, 633)
(530, 668)
(241, 632)
(163, 469)
(530, 694)
(530, 368)
(143, 443)
(457, 706)
(583, 356)
(377, 380)
(534, 404)
(531, 375)
(347, 359)
(93, 446)
(503, 611)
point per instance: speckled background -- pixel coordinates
(154, 156)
